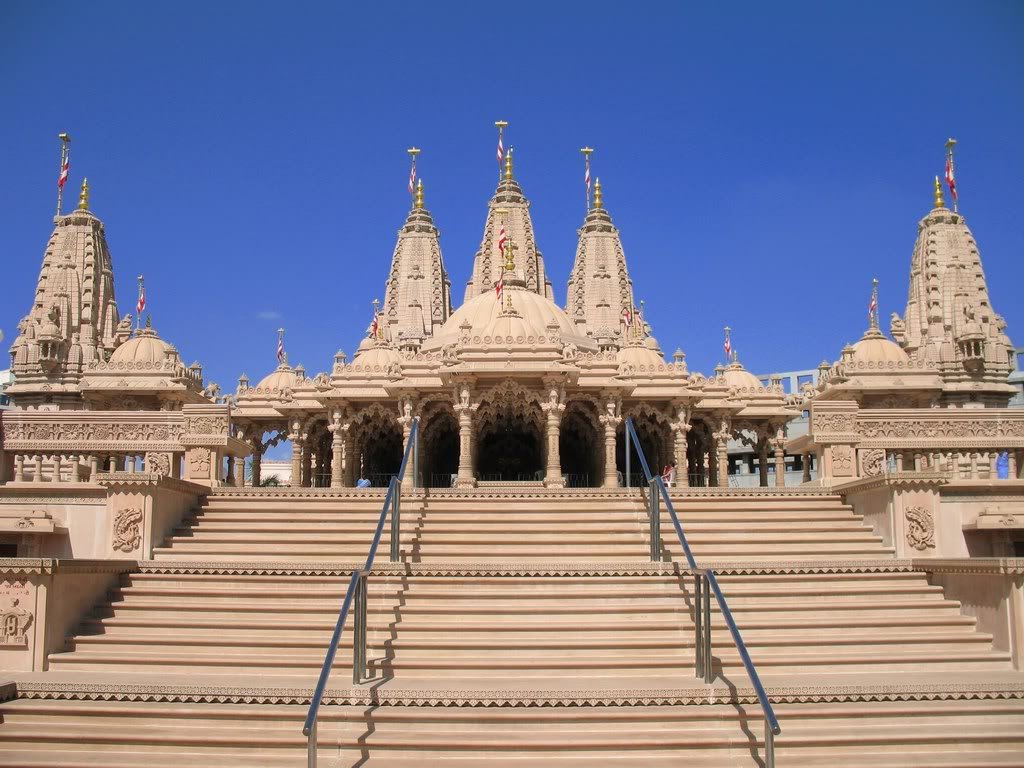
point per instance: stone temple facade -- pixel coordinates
(144, 562)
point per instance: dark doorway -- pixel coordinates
(580, 447)
(439, 450)
(511, 451)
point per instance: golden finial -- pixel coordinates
(83, 197)
(598, 201)
(939, 201)
(419, 195)
(508, 164)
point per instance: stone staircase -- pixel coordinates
(520, 628)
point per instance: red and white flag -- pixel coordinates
(141, 305)
(502, 239)
(64, 173)
(872, 306)
(498, 288)
(950, 180)
(627, 316)
(280, 349)
(586, 178)
(374, 327)
(728, 347)
(501, 148)
(412, 178)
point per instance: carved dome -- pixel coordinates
(482, 314)
(282, 377)
(144, 347)
(875, 348)
(735, 375)
(370, 353)
(641, 355)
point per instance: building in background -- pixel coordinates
(6, 379)
(1016, 378)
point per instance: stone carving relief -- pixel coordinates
(946, 427)
(127, 533)
(198, 463)
(207, 425)
(920, 528)
(842, 461)
(14, 624)
(159, 464)
(872, 462)
(833, 422)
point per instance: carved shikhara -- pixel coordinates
(920, 528)
(127, 529)
(14, 623)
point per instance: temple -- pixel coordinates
(537, 562)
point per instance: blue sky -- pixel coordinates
(763, 160)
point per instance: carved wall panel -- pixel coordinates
(127, 529)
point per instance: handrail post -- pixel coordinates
(709, 672)
(769, 745)
(698, 624)
(654, 511)
(359, 632)
(311, 747)
(416, 456)
(396, 521)
(629, 450)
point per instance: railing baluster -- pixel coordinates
(698, 622)
(654, 512)
(359, 632)
(769, 745)
(396, 521)
(709, 666)
(311, 747)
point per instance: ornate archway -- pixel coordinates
(378, 445)
(439, 445)
(581, 444)
(510, 445)
(653, 429)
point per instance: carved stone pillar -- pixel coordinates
(338, 432)
(807, 468)
(296, 439)
(680, 430)
(1011, 457)
(712, 473)
(229, 478)
(307, 463)
(37, 476)
(257, 462)
(722, 444)
(780, 463)
(19, 468)
(350, 457)
(762, 463)
(465, 477)
(405, 421)
(610, 421)
(554, 408)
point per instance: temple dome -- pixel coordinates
(282, 377)
(371, 354)
(145, 347)
(482, 315)
(641, 355)
(875, 348)
(735, 375)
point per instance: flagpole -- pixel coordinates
(413, 151)
(139, 305)
(950, 143)
(502, 125)
(586, 156)
(65, 154)
(873, 319)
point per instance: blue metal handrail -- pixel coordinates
(357, 585)
(657, 485)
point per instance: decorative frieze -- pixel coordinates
(127, 529)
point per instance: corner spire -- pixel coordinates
(508, 165)
(939, 201)
(418, 205)
(598, 198)
(83, 197)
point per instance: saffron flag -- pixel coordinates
(280, 349)
(950, 180)
(64, 173)
(502, 239)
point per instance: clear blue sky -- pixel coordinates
(763, 160)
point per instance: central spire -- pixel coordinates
(488, 263)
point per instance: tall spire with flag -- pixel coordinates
(950, 178)
(413, 151)
(873, 306)
(587, 151)
(140, 305)
(65, 167)
(280, 346)
(501, 126)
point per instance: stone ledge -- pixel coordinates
(30, 565)
(981, 565)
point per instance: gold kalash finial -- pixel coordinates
(598, 198)
(83, 197)
(508, 164)
(939, 201)
(418, 205)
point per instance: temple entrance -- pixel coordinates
(656, 441)
(439, 448)
(509, 443)
(379, 445)
(581, 446)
